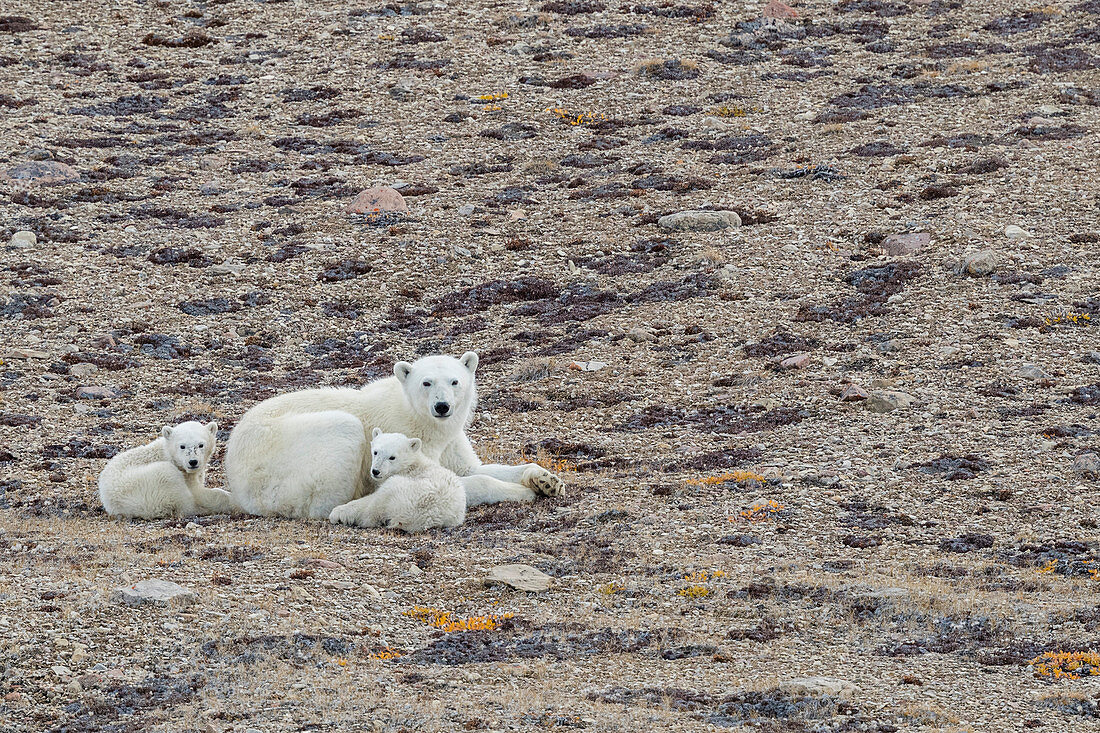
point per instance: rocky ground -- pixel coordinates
(852, 438)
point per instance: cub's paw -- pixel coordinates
(542, 481)
(344, 514)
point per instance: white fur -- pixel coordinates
(415, 492)
(304, 453)
(165, 478)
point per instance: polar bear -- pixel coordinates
(302, 454)
(414, 492)
(165, 478)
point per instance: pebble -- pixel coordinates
(889, 400)
(465, 209)
(379, 199)
(777, 10)
(1087, 464)
(798, 361)
(699, 221)
(23, 239)
(44, 172)
(520, 577)
(1093, 357)
(156, 592)
(640, 334)
(901, 245)
(1033, 372)
(979, 264)
(83, 369)
(853, 393)
(93, 393)
(587, 366)
(1015, 233)
(818, 687)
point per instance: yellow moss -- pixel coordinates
(732, 476)
(1066, 665)
(444, 620)
(762, 511)
(576, 118)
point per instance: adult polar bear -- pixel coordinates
(304, 453)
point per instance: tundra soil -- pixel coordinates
(731, 526)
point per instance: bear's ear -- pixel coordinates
(469, 360)
(212, 428)
(166, 431)
(375, 433)
(401, 370)
(414, 444)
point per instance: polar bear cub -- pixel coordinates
(165, 478)
(415, 493)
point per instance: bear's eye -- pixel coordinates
(200, 445)
(183, 447)
(427, 384)
(376, 453)
(454, 383)
(393, 458)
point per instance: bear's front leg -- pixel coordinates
(460, 457)
(358, 513)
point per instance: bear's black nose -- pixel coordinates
(375, 472)
(193, 463)
(442, 408)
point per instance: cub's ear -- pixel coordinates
(414, 444)
(212, 428)
(375, 433)
(166, 431)
(401, 370)
(469, 360)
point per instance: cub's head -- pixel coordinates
(189, 445)
(440, 387)
(392, 454)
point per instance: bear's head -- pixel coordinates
(440, 388)
(392, 454)
(189, 445)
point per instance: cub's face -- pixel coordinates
(392, 454)
(439, 387)
(189, 445)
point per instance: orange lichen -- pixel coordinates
(730, 477)
(761, 511)
(445, 620)
(1066, 665)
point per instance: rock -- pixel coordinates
(155, 592)
(798, 361)
(853, 393)
(1033, 372)
(520, 577)
(26, 354)
(1016, 233)
(93, 393)
(403, 88)
(465, 209)
(83, 369)
(42, 173)
(23, 239)
(1093, 357)
(587, 366)
(699, 221)
(818, 687)
(639, 335)
(777, 10)
(377, 200)
(1087, 464)
(979, 264)
(888, 400)
(901, 245)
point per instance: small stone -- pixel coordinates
(42, 172)
(83, 369)
(587, 366)
(94, 393)
(818, 687)
(640, 334)
(699, 221)
(853, 393)
(1016, 233)
(777, 10)
(901, 245)
(465, 209)
(889, 400)
(74, 687)
(1093, 357)
(520, 577)
(155, 592)
(1032, 372)
(23, 239)
(1087, 465)
(377, 200)
(979, 264)
(798, 361)
(26, 354)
